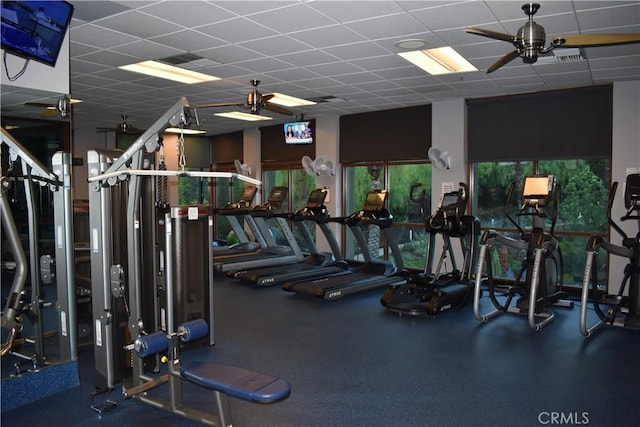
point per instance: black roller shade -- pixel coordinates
(227, 147)
(197, 151)
(563, 124)
(399, 134)
(274, 149)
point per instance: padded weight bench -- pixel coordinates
(222, 380)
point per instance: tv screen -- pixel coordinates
(298, 132)
(35, 29)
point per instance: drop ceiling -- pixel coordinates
(339, 52)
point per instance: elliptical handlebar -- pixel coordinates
(506, 208)
(612, 223)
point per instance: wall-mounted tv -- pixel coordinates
(35, 29)
(298, 132)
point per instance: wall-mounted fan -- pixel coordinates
(439, 159)
(62, 106)
(242, 168)
(321, 166)
(123, 127)
(254, 103)
(531, 39)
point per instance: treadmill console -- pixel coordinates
(244, 203)
(375, 200)
(247, 196)
(275, 202)
(314, 208)
(373, 210)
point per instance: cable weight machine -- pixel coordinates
(139, 265)
(54, 267)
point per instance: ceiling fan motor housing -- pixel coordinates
(532, 38)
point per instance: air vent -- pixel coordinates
(328, 98)
(183, 58)
(561, 55)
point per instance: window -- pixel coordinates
(409, 201)
(299, 184)
(193, 191)
(225, 190)
(583, 188)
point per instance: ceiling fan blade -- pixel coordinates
(278, 109)
(49, 112)
(502, 61)
(588, 40)
(39, 104)
(220, 104)
(491, 34)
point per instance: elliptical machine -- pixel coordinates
(432, 292)
(537, 285)
(622, 311)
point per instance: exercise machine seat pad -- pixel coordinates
(236, 382)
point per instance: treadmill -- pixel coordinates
(315, 264)
(273, 253)
(232, 211)
(370, 275)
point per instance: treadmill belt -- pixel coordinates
(336, 286)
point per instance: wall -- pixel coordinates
(251, 155)
(328, 144)
(448, 133)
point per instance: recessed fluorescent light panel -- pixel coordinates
(243, 116)
(288, 101)
(169, 72)
(185, 131)
(442, 60)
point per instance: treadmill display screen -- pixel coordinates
(316, 199)
(248, 193)
(375, 200)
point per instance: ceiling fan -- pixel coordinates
(530, 40)
(62, 106)
(123, 127)
(255, 102)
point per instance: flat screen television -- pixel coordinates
(35, 29)
(298, 132)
